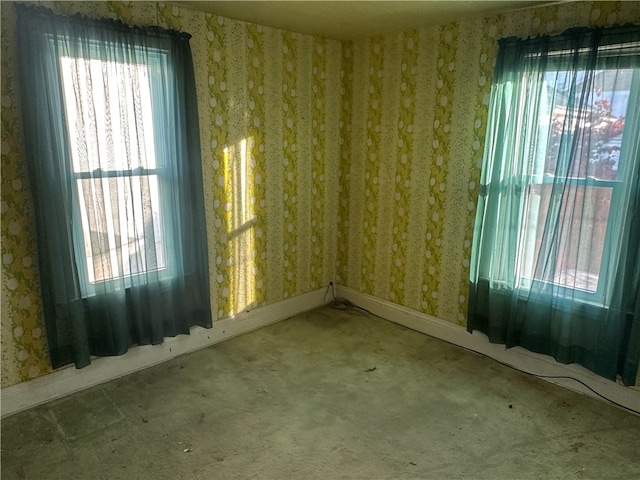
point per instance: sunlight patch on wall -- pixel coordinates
(240, 225)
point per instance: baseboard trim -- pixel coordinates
(516, 357)
(69, 380)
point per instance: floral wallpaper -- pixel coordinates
(353, 162)
(343, 212)
(415, 108)
(268, 101)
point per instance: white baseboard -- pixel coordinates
(68, 380)
(516, 357)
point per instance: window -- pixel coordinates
(119, 226)
(555, 260)
(586, 193)
(113, 153)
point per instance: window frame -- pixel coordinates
(619, 193)
(157, 64)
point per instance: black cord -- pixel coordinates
(563, 377)
(338, 303)
(325, 293)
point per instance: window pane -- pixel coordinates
(110, 124)
(574, 259)
(122, 230)
(593, 130)
(109, 115)
(575, 172)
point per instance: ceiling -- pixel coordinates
(347, 20)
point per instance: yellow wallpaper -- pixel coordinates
(270, 149)
(356, 162)
(416, 109)
(342, 213)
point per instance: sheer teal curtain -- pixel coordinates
(112, 147)
(556, 258)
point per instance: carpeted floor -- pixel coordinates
(329, 394)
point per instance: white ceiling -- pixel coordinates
(345, 20)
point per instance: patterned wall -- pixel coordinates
(415, 109)
(354, 162)
(268, 101)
